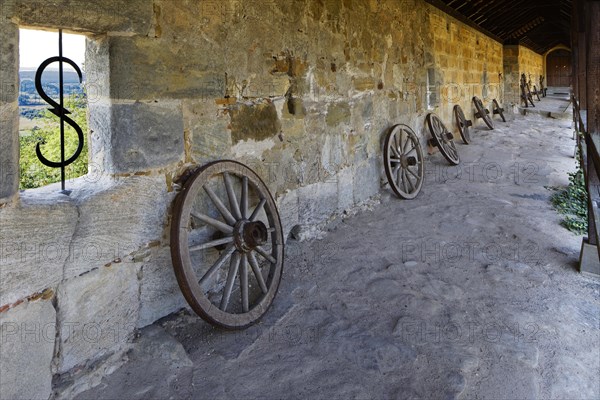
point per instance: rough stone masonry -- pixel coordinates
(300, 91)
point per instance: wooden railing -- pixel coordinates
(588, 146)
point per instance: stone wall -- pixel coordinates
(301, 91)
(531, 63)
(518, 60)
(466, 63)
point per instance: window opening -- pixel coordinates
(37, 124)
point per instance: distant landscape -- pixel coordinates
(38, 125)
(31, 105)
(28, 95)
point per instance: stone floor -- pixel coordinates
(470, 291)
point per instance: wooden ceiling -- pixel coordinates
(539, 25)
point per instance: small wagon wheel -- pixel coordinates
(403, 161)
(537, 94)
(525, 93)
(442, 139)
(463, 124)
(227, 244)
(496, 109)
(524, 99)
(529, 95)
(482, 112)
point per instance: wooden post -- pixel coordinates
(588, 52)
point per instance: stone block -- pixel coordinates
(363, 84)
(338, 113)
(317, 202)
(366, 180)
(333, 153)
(97, 314)
(145, 136)
(116, 219)
(126, 16)
(287, 204)
(27, 334)
(207, 131)
(588, 259)
(9, 151)
(257, 122)
(160, 294)
(35, 238)
(9, 60)
(9, 115)
(144, 68)
(266, 85)
(97, 70)
(345, 179)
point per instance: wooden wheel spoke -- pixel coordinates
(223, 227)
(395, 151)
(454, 151)
(410, 184)
(224, 256)
(406, 144)
(260, 250)
(244, 283)
(233, 203)
(244, 201)
(257, 210)
(412, 173)
(233, 271)
(220, 206)
(404, 182)
(256, 269)
(213, 243)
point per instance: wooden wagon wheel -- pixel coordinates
(227, 244)
(496, 109)
(526, 97)
(542, 88)
(463, 124)
(525, 93)
(537, 94)
(403, 161)
(482, 112)
(442, 139)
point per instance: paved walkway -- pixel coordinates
(468, 291)
(556, 106)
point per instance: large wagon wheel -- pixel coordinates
(496, 109)
(442, 139)
(482, 112)
(463, 124)
(403, 161)
(227, 244)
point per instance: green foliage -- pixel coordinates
(572, 202)
(33, 173)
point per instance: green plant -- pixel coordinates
(572, 202)
(33, 173)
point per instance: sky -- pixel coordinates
(37, 46)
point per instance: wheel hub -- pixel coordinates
(249, 235)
